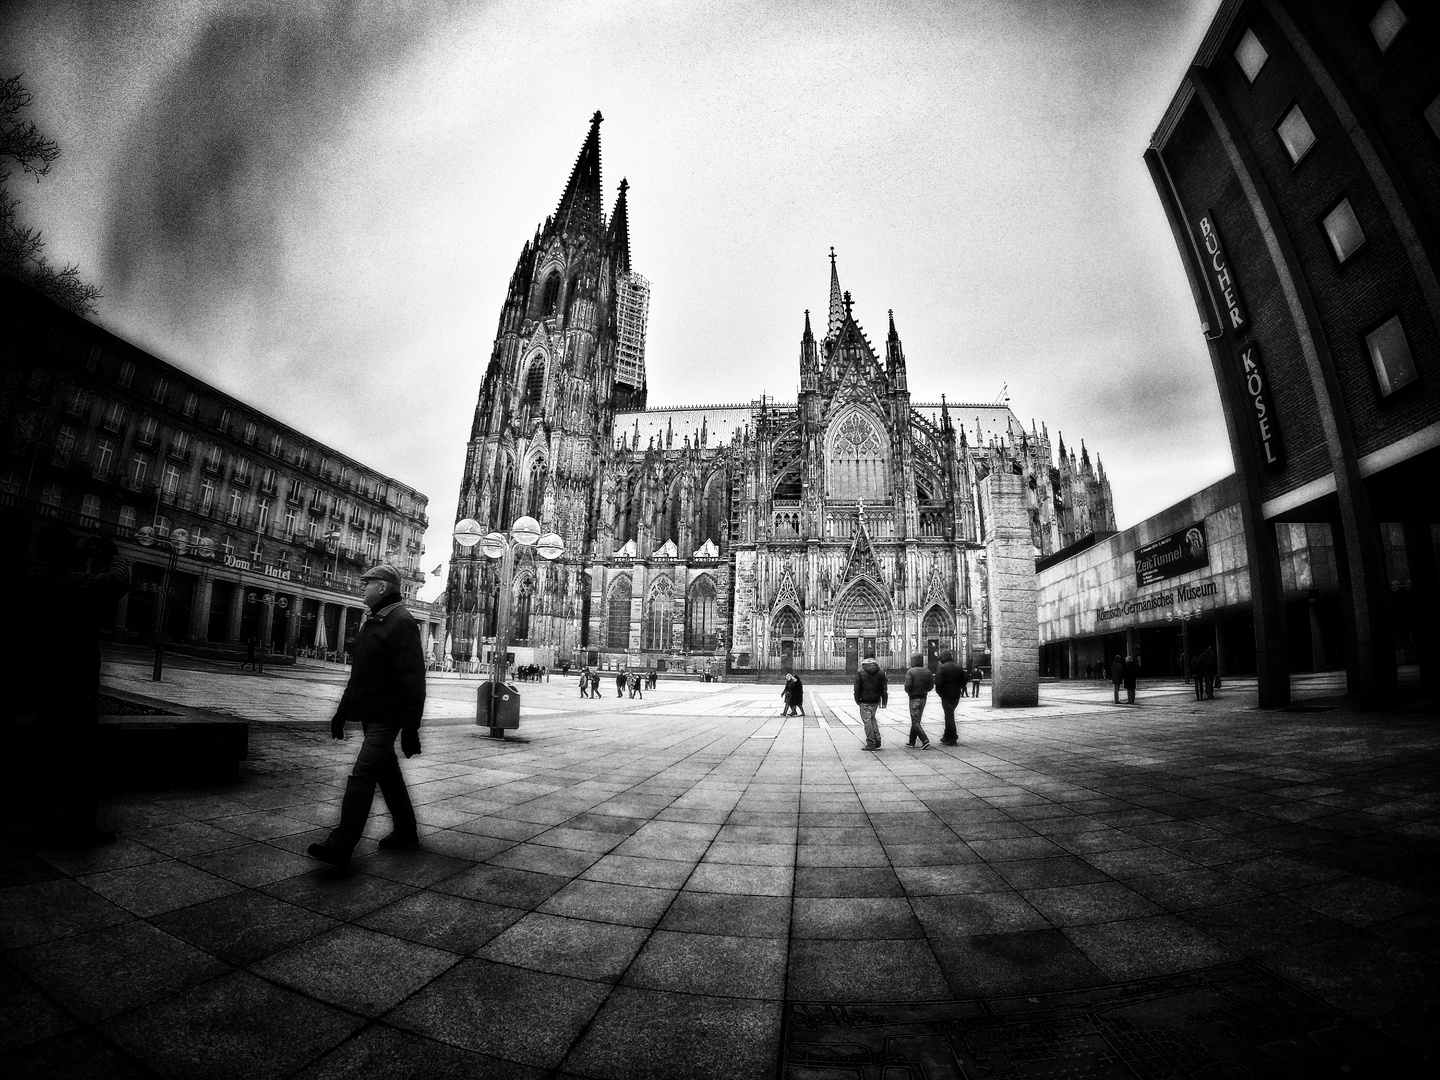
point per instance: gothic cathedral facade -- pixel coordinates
(744, 537)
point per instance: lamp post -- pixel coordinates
(175, 545)
(499, 545)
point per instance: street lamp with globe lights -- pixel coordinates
(498, 545)
(176, 544)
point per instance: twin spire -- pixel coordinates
(582, 207)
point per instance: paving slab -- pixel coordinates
(691, 885)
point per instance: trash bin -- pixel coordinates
(507, 706)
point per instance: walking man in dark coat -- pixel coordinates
(950, 683)
(872, 691)
(794, 694)
(386, 696)
(1117, 675)
(1208, 666)
(1132, 675)
(918, 684)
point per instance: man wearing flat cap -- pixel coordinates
(385, 696)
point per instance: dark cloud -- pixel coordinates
(208, 166)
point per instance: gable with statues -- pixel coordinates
(750, 536)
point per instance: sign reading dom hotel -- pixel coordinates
(1173, 555)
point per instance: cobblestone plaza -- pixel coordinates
(690, 885)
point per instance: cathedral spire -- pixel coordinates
(809, 358)
(895, 357)
(837, 306)
(580, 206)
(620, 231)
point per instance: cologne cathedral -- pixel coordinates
(743, 537)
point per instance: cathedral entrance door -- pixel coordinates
(932, 653)
(787, 656)
(868, 646)
(852, 655)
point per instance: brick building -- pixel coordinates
(1299, 167)
(109, 439)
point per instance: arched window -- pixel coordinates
(712, 510)
(617, 614)
(670, 529)
(700, 615)
(520, 620)
(534, 382)
(551, 296)
(505, 500)
(857, 460)
(787, 625)
(787, 488)
(659, 619)
(535, 490)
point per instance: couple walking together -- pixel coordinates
(872, 691)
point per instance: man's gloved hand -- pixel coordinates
(410, 741)
(337, 727)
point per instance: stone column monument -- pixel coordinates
(1014, 622)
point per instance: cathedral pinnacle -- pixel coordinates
(620, 230)
(849, 303)
(837, 310)
(580, 206)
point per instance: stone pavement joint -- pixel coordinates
(652, 891)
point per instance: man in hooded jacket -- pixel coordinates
(872, 691)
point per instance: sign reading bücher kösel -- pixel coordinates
(1173, 555)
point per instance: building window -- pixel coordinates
(277, 446)
(262, 511)
(227, 545)
(1295, 134)
(1250, 55)
(148, 433)
(92, 359)
(191, 404)
(104, 455)
(225, 421)
(249, 432)
(90, 508)
(257, 552)
(162, 524)
(114, 418)
(284, 560)
(292, 521)
(171, 484)
(127, 517)
(207, 495)
(1343, 229)
(127, 374)
(1390, 353)
(617, 614)
(140, 468)
(236, 502)
(65, 437)
(50, 494)
(180, 443)
(1387, 21)
(212, 459)
(160, 390)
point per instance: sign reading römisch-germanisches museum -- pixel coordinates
(1173, 555)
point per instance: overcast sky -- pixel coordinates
(317, 204)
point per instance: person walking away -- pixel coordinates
(637, 685)
(964, 679)
(1197, 676)
(585, 682)
(794, 694)
(950, 688)
(918, 684)
(1117, 674)
(385, 695)
(1209, 667)
(61, 675)
(595, 685)
(976, 674)
(872, 691)
(620, 681)
(1132, 674)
